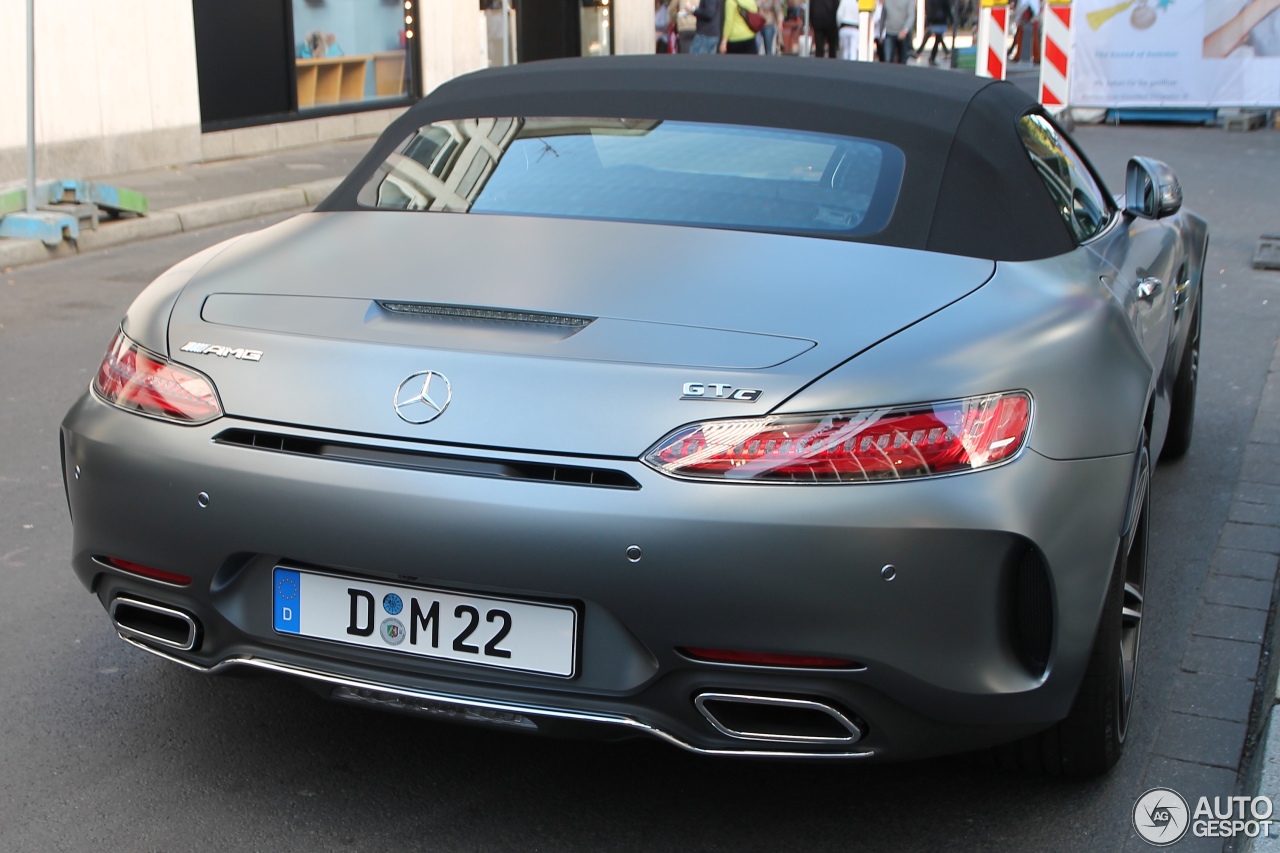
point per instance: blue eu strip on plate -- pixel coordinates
(286, 589)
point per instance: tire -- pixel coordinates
(1182, 413)
(1091, 738)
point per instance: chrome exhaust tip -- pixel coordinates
(154, 623)
(774, 719)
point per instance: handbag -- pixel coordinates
(754, 20)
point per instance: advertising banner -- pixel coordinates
(1176, 53)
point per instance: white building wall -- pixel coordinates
(115, 86)
(633, 23)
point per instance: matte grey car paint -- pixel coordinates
(724, 564)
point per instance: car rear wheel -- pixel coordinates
(1091, 738)
(1182, 414)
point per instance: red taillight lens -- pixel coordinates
(765, 659)
(851, 447)
(141, 381)
(148, 572)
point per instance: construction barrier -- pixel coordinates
(1055, 56)
(993, 39)
(866, 38)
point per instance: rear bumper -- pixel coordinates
(791, 570)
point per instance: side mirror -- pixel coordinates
(1152, 190)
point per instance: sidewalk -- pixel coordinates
(198, 195)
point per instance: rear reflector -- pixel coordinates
(763, 659)
(856, 446)
(147, 572)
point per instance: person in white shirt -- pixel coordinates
(847, 18)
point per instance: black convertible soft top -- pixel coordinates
(969, 187)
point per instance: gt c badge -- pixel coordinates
(719, 391)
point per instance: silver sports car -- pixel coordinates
(768, 407)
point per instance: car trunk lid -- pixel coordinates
(555, 335)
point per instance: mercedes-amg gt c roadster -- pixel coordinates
(769, 407)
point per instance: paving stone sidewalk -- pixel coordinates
(198, 195)
(1255, 515)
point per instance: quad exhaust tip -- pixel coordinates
(154, 623)
(775, 719)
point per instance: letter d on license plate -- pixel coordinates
(507, 633)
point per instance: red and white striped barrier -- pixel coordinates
(1055, 57)
(993, 39)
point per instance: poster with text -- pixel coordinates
(1176, 53)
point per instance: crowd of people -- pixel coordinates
(776, 26)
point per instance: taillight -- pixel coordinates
(141, 381)
(852, 446)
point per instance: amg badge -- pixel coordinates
(214, 349)
(719, 391)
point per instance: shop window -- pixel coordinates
(597, 27)
(347, 52)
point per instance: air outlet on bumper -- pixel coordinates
(1032, 615)
(440, 463)
(777, 720)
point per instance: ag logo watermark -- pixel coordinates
(1162, 817)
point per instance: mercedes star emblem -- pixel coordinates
(418, 404)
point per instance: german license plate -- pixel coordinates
(523, 635)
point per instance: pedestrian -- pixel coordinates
(847, 18)
(661, 27)
(825, 28)
(681, 14)
(706, 37)
(773, 12)
(937, 16)
(899, 22)
(737, 36)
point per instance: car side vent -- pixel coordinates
(439, 463)
(1033, 611)
(466, 312)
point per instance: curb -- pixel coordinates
(162, 223)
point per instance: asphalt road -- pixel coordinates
(103, 747)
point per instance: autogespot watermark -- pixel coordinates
(1162, 817)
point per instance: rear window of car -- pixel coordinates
(632, 170)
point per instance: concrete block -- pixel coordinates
(317, 191)
(1237, 592)
(1221, 657)
(13, 164)
(1248, 513)
(16, 253)
(375, 121)
(1202, 740)
(217, 146)
(1192, 781)
(1245, 564)
(75, 158)
(292, 134)
(130, 152)
(1258, 493)
(1265, 431)
(253, 140)
(1222, 697)
(217, 211)
(1230, 623)
(335, 127)
(1270, 783)
(129, 230)
(1250, 537)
